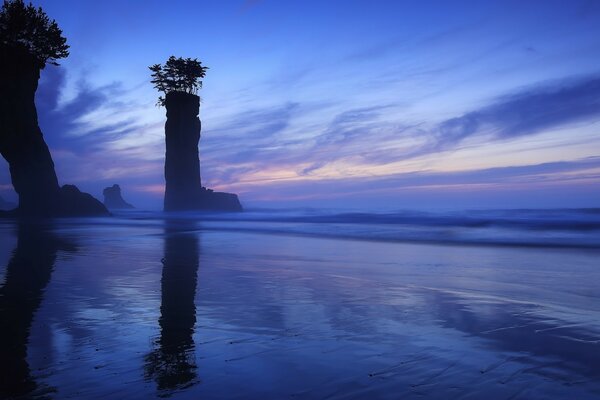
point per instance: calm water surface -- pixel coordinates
(140, 308)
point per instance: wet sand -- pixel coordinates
(137, 309)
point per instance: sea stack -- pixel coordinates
(113, 200)
(22, 144)
(30, 41)
(184, 190)
(21, 141)
(182, 163)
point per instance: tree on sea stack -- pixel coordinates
(26, 28)
(178, 75)
(28, 41)
(179, 79)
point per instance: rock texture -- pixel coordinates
(184, 190)
(113, 200)
(22, 144)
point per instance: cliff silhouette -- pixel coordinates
(184, 190)
(113, 200)
(29, 41)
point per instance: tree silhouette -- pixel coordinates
(177, 75)
(28, 28)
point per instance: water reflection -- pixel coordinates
(27, 274)
(172, 364)
(292, 317)
(569, 349)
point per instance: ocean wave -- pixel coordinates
(564, 228)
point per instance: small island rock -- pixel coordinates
(113, 198)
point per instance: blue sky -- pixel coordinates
(363, 104)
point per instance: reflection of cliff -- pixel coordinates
(172, 364)
(27, 274)
(184, 189)
(22, 144)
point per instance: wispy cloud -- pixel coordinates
(294, 142)
(377, 135)
(95, 136)
(526, 112)
(554, 174)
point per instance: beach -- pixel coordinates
(273, 306)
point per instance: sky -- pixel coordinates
(336, 104)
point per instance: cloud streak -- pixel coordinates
(377, 135)
(526, 112)
(94, 136)
(294, 142)
(561, 174)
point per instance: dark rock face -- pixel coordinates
(219, 201)
(73, 202)
(182, 164)
(113, 199)
(184, 189)
(22, 143)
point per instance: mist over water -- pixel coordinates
(542, 227)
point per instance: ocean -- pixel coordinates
(273, 304)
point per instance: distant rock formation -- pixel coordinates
(73, 202)
(22, 144)
(6, 205)
(184, 189)
(113, 199)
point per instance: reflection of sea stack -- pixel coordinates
(172, 363)
(184, 189)
(113, 199)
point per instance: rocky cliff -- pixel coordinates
(184, 189)
(22, 144)
(113, 200)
